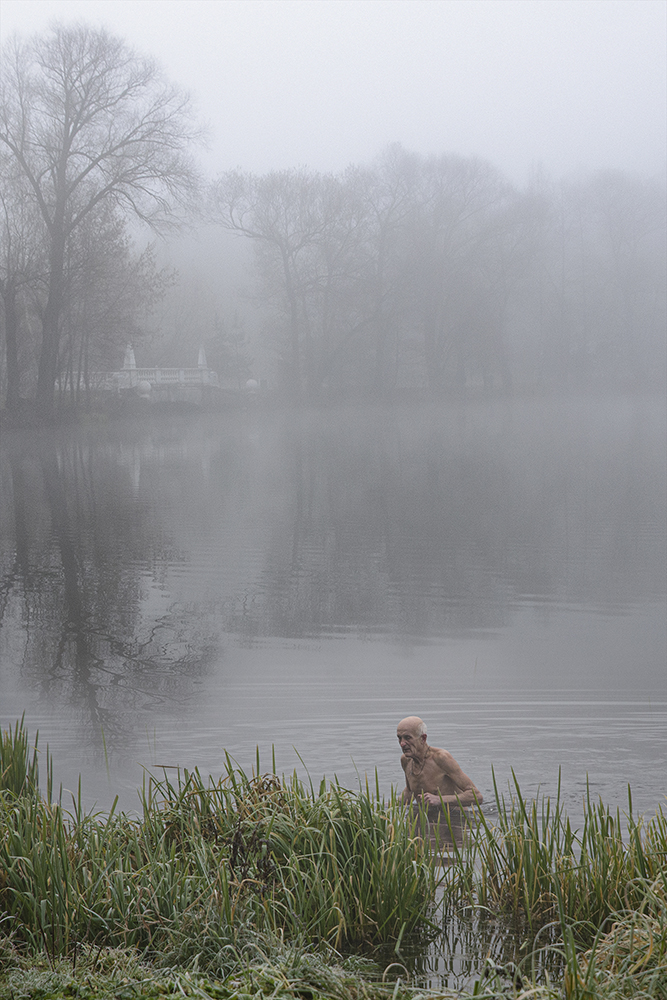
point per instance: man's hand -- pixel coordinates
(462, 799)
(430, 799)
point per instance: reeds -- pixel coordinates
(329, 865)
(628, 958)
(19, 774)
(230, 877)
(208, 865)
(532, 865)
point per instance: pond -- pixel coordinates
(184, 586)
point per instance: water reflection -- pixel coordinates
(470, 948)
(520, 546)
(83, 596)
(439, 525)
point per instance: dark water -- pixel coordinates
(171, 590)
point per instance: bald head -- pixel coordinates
(411, 734)
(414, 724)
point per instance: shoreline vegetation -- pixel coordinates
(255, 885)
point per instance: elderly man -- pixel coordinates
(432, 776)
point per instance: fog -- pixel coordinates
(480, 188)
(563, 84)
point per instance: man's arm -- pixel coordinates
(406, 794)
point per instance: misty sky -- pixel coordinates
(562, 84)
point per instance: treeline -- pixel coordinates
(434, 274)
(416, 276)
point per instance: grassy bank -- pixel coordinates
(255, 885)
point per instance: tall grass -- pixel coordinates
(217, 876)
(209, 865)
(628, 959)
(19, 773)
(327, 864)
(532, 865)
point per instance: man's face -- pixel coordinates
(410, 741)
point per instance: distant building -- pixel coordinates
(163, 382)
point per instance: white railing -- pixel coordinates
(128, 378)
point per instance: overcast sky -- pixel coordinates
(562, 84)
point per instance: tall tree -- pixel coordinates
(460, 212)
(109, 288)
(21, 267)
(595, 294)
(282, 214)
(87, 121)
(389, 192)
(309, 232)
(228, 351)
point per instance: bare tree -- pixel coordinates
(109, 288)
(281, 213)
(228, 350)
(594, 290)
(389, 192)
(87, 121)
(21, 268)
(457, 220)
(309, 232)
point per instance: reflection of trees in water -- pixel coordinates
(437, 524)
(125, 554)
(75, 586)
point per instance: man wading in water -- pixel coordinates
(433, 779)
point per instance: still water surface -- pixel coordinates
(179, 587)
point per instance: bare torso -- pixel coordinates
(436, 778)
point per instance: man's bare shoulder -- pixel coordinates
(450, 767)
(404, 761)
(443, 759)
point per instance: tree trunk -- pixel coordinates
(48, 358)
(11, 340)
(295, 352)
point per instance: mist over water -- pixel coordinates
(176, 588)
